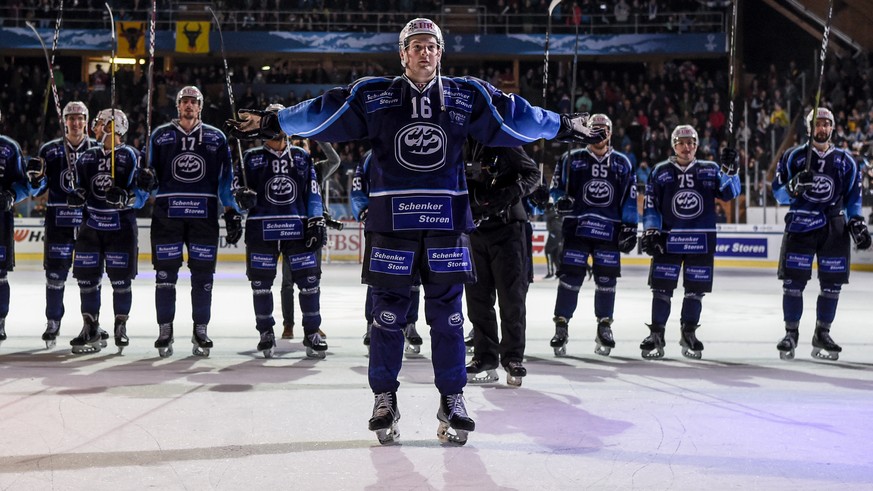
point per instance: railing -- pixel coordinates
(452, 19)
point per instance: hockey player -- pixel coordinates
(360, 200)
(594, 188)
(498, 179)
(51, 171)
(189, 169)
(419, 211)
(679, 219)
(13, 188)
(104, 186)
(822, 195)
(286, 219)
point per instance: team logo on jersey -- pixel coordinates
(822, 190)
(687, 204)
(67, 180)
(189, 167)
(99, 184)
(281, 190)
(597, 192)
(456, 319)
(388, 318)
(421, 147)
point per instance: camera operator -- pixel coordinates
(497, 180)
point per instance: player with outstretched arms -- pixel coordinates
(824, 198)
(594, 188)
(680, 234)
(419, 211)
(52, 172)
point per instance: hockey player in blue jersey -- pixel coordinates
(680, 235)
(360, 200)
(52, 171)
(419, 210)
(107, 238)
(14, 187)
(594, 188)
(822, 195)
(189, 169)
(287, 219)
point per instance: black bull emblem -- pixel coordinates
(132, 34)
(192, 35)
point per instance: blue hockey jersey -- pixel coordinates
(604, 190)
(12, 176)
(288, 191)
(417, 170)
(836, 187)
(360, 193)
(58, 179)
(94, 174)
(193, 171)
(681, 202)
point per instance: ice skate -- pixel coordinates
(164, 343)
(288, 331)
(267, 345)
(104, 337)
(515, 371)
(479, 372)
(787, 345)
(121, 339)
(604, 340)
(315, 346)
(561, 338)
(691, 346)
(412, 348)
(468, 342)
(200, 341)
(50, 336)
(653, 346)
(454, 422)
(367, 337)
(88, 340)
(823, 347)
(2, 330)
(385, 418)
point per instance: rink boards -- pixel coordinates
(738, 245)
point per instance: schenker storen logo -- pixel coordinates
(420, 147)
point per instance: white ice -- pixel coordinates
(739, 418)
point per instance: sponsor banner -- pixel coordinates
(741, 247)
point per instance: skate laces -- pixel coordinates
(51, 327)
(200, 329)
(455, 405)
(561, 330)
(383, 404)
(267, 336)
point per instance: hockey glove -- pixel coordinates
(7, 200)
(574, 129)
(246, 198)
(77, 198)
(860, 234)
(627, 237)
(254, 123)
(35, 171)
(233, 224)
(118, 197)
(540, 197)
(315, 233)
(800, 183)
(146, 179)
(564, 205)
(652, 242)
(730, 161)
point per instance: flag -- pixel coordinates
(192, 36)
(131, 39)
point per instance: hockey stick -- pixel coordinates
(821, 58)
(552, 7)
(54, 89)
(151, 82)
(732, 61)
(112, 93)
(50, 85)
(233, 115)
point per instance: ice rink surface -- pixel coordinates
(740, 418)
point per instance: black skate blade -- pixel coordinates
(166, 352)
(485, 377)
(786, 355)
(513, 381)
(692, 354)
(318, 355)
(388, 436)
(655, 354)
(459, 437)
(821, 354)
(601, 349)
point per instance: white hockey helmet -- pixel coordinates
(105, 116)
(189, 91)
(821, 113)
(684, 131)
(600, 119)
(76, 107)
(421, 25)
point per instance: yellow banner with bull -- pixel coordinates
(192, 36)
